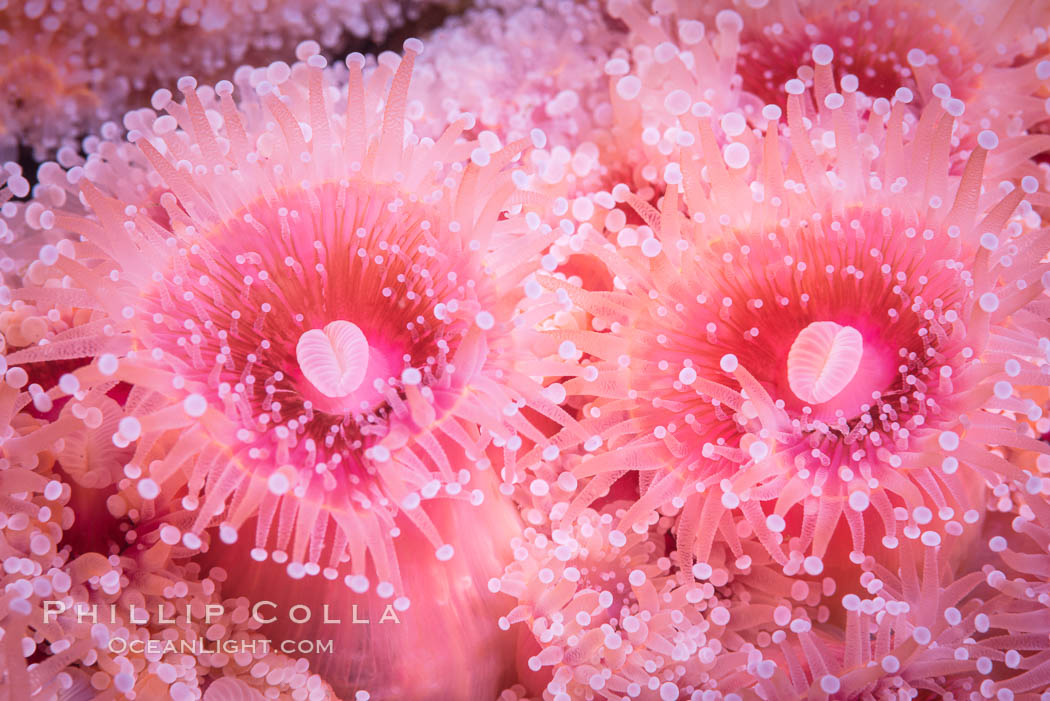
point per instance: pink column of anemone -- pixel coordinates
(308, 306)
(379, 651)
(825, 338)
(65, 67)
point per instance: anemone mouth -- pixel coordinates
(238, 302)
(823, 361)
(871, 374)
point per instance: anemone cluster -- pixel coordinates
(599, 350)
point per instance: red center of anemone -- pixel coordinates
(310, 314)
(884, 370)
(839, 376)
(907, 38)
(852, 331)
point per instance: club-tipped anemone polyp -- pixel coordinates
(673, 62)
(66, 68)
(498, 66)
(918, 631)
(984, 53)
(313, 310)
(827, 334)
(599, 610)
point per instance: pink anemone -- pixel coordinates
(495, 62)
(922, 630)
(310, 311)
(675, 59)
(824, 338)
(991, 55)
(49, 651)
(67, 67)
(602, 616)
